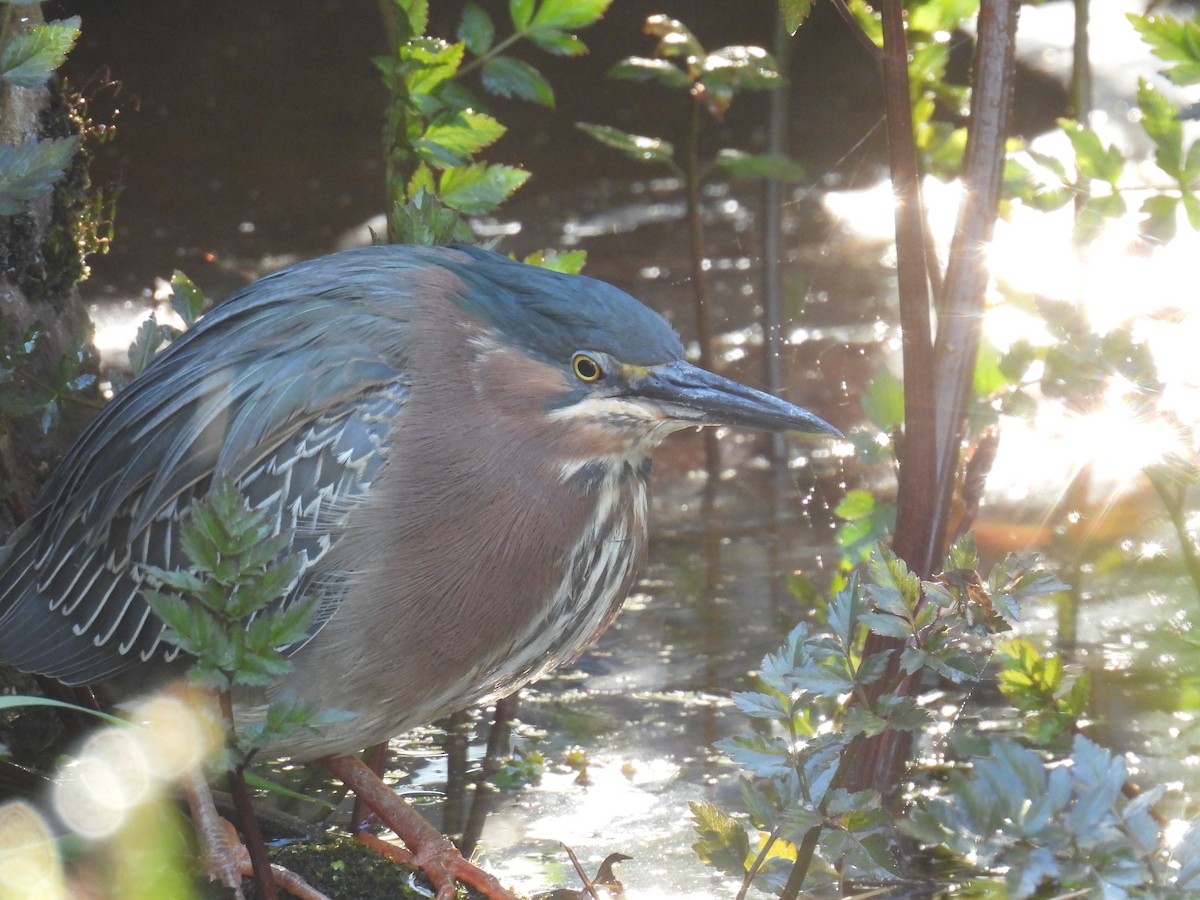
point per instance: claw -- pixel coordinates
(225, 857)
(428, 849)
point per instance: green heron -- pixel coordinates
(458, 442)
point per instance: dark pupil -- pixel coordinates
(587, 369)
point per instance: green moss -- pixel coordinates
(344, 869)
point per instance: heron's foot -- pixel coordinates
(444, 866)
(226, 859)
(428, 850)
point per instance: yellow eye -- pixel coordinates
(586, 368)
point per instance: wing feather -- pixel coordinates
(289, 392)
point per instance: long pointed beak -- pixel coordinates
(691, 394)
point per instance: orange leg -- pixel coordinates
(225, 857)
(429, 850)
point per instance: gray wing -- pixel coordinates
(290, 395)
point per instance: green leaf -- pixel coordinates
(28, 59)
(856, 504)
(568, 14)
(733, 69)
(454, 139)
(557, 42)
(424, 219)
(642, 149)
(759, 165)
(569, 262)
(521, 12)
(824, 681)
(478, 188)
(415, 13)
(859, 720)
(873, 667)
(1160, 122)
(722, 841)
(1093, 158)
(794, 13)
(428, 62)
(511, 77)
(758, 705)
(675, 40)
(186, 298)
(887, 625)
(989, 379)
(893, 587)
(20, 701)
(1191, 206)
(883, 400)
(29, 170)
(145, 344)
(1174, 41)
(1160, 219)
(476, 29)
(642, 68)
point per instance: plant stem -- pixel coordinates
(1175, 512)
(804, 855)
(967, 273)
(247, 820)
(700, 295)
(937, 377)
(917, 470)
(495, 51)
(772, 314)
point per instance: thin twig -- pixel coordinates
(857, 30)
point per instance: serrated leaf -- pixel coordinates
(453, 140)
(145, 344)
(873, 667)
(887, 625)
(722, 842)
(29, 170)
(476, 29)
(903, 713)
(844, 612)
(423, 219)
(1091, 156)
(28, 59)
(478, 188)
(507, 76)
(638, 147)
(1160, 122)
(428, 63)
(758, 705)
(859, 720)
(761, 757)
(1172, 40)
(824, 681)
